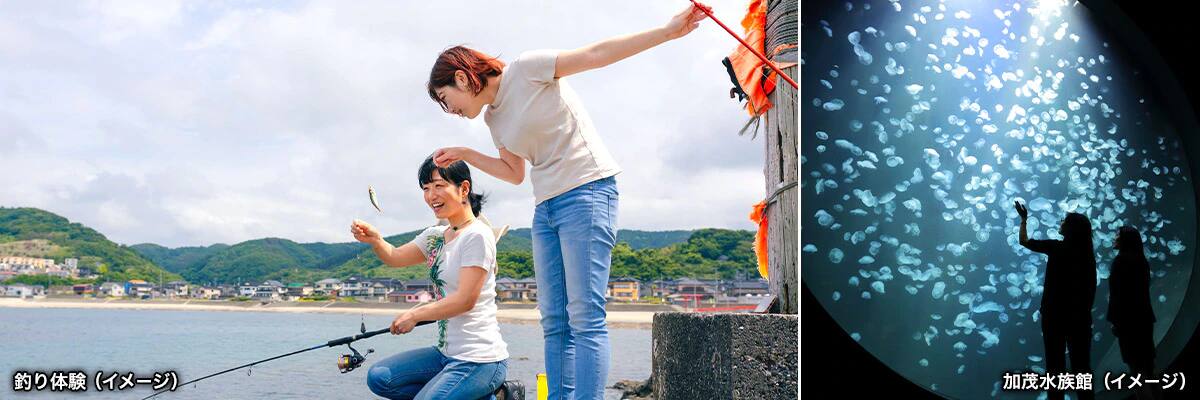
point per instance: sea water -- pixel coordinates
(197, 343)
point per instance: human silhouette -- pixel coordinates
(1067, 296)
(1129, 308)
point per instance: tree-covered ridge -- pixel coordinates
(68, 239)
(705, 253)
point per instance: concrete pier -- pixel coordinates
(725, 356)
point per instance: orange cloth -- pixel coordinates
(749, 69)
(760, 238)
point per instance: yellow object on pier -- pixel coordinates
(543, 390)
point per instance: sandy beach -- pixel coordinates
(625, 316)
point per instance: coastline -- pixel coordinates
(619, 316)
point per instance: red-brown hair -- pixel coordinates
(476, 65)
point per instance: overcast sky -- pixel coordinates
(217, 122)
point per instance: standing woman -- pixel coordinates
(1129, 308)
(1067, 295)
(534, 115)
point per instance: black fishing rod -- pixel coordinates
(346, 363)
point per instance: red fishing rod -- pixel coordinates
(708, 10)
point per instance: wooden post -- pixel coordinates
(782, 169)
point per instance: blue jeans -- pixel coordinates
(427, 374)
(573, 237)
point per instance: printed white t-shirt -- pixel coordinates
(474, 335)
(541, 119)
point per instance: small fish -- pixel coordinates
(374, 201)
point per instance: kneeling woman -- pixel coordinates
(470, 359)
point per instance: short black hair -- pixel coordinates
(457, 173)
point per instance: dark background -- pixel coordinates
(834, 366)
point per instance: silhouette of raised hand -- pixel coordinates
(1021, 210)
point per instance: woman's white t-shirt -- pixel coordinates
(474, 335)
(540, 118)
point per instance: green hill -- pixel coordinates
(706, 253)
(178, 260)
(365, 263)
(255, 260)
(520, 239)
(38, 233)
(30, 232)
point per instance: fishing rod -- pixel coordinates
(345, 363)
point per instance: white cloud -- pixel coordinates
(195, 123)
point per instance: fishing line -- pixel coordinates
(346, 363)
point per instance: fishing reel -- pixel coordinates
(348, 362)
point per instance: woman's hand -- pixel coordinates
(364, 232)
(449, 155)
(404, 323)
(1021, 210)
(686, 21)
(611, 50)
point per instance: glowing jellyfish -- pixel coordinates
(983, 122)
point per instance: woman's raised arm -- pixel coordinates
(404, 256)
(618, 48)
(1022, 212)
(508, 167)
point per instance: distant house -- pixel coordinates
(507, 289)
(692, 291)
(112, 289)
(297, 290)
(139, 288)
(269, 290)
(395, 285)
(661, 288)
(247, 289)
(60, 290)
(527, 282)
(355, 287)
(177, 289)
(82, 289)
(328, 287)
(419, 284)
(624, 289)
(205, 293)
(227, 291)
(689, 285)
(755, 288)
(409, 296)
(379, 289)
(23, 290)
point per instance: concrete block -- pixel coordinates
(725, 356)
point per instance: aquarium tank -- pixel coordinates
(921, 123)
